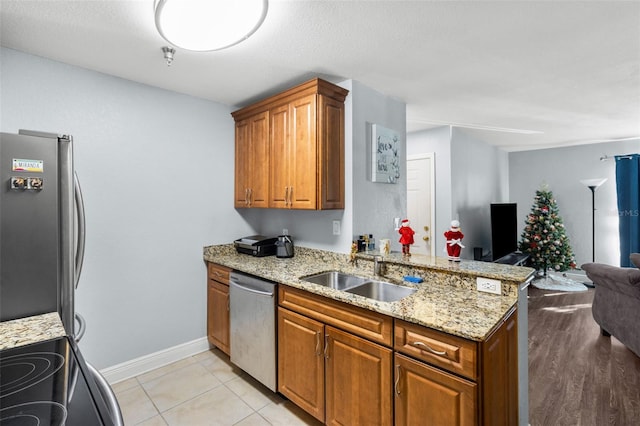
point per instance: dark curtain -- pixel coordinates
(628, 189)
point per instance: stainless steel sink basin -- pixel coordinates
(382, 291)
(336, 280)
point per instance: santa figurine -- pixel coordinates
(454, 241)
(406, 237)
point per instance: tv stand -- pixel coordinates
(514, 258)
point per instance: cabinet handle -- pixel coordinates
(326, 346)
(430, 349)
(246, 196)
(290, 196)
(286, 196)
(250, 196)
(318, 353)
(397, 383)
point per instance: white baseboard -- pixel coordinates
(145, 363)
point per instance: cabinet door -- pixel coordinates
(500, 374)
(218, 315)
(242, 163)
(425, 395)
(330, 153)
(301, 361)
(279, 156)
(303, 156)
(252, 161)
(259, 187)
(358, 380)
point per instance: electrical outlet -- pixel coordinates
(285, 231)
(488, 285)
(336, 227)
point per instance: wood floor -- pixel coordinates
(577, 376)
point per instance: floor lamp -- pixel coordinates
(593, 184)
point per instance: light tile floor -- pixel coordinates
(205, 389)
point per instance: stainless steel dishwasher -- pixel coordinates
(252, 304)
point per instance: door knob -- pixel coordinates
(425, 238)
(426, 228)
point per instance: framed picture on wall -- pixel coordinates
(385, 167)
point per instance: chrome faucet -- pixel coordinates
(378, 265)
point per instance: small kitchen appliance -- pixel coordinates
(284, 246)
(256, 245)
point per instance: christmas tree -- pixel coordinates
(544, 237)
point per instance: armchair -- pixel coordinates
(616, 302)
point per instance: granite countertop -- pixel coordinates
(447, 299)
(25, 331)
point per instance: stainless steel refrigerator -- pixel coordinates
(42, 232)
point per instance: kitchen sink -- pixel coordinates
(336, 280)
(382, 291)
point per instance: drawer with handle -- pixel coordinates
(451, 353)
(218, 273)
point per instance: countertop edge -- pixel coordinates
(429, 307)
(34, 329)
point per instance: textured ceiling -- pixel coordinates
(530, 74)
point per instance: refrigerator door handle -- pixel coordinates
(80, 237)
(82, 327)
(108, 396)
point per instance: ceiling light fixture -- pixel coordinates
(206, 25)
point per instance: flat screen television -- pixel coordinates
(504, 229)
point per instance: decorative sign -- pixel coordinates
(384, 154)
(22, 165)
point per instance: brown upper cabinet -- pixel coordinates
(290, 149)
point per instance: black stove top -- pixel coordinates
(47, 383)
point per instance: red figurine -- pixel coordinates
(454, 241)
(406, 237)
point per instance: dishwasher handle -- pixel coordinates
(252, 290)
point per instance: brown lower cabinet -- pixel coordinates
(425, 395)
(338, 378)
(218, 306)
(301, 361)
(344, 366)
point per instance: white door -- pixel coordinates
(420, 201)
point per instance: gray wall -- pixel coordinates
(156, 169)
(479, 177)
(376, 204)
(562, 169)
(438, 141)
(470, 175)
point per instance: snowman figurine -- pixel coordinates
(454, 241)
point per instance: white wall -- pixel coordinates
(479, 177)
(156, 169)
(562, 169)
